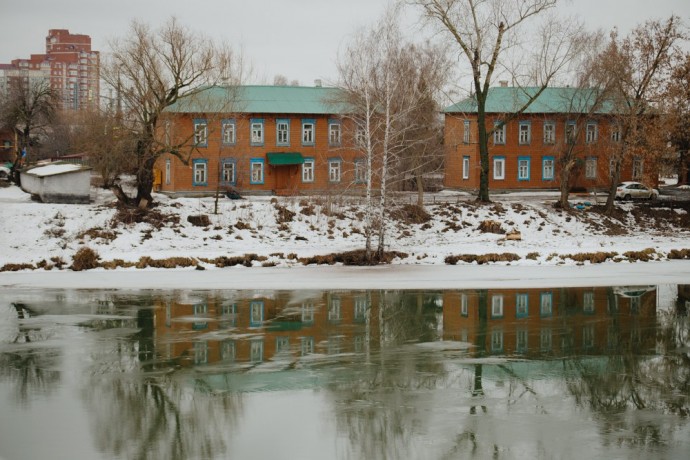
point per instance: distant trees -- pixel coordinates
(389, 88)
(150, 71)
(677, 105)
(28, 109)
(486, 31)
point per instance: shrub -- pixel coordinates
(482, 258)
(85, 259)
(679, 254)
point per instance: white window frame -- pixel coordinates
(200, 173)
(257, 132)
(224, 170)
(591, 133)
(168, 170)
(523, 168)
(497, 306)
(524, 133)
(282, 132)
(499, 173)
(549, 133)
(334, 308)
(465, 167)
(588, 302)
(499, 134)
(521, 305)
(228, 132)
(546, 304)
(615, 133)
(466, 132)
(256, 350)
(308, 170)
(497, 340)
(256, 171)
(334, 170)
(308, 132)
(464, 304)
(334, 133)
(360, 171)
(200, 133)
(548, 168)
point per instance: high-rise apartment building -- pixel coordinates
(69, 64)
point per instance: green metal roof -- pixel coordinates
(313, 100)
(551, 100)
(285, 158)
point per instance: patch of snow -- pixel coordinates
(52, 169)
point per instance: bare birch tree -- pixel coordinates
(485, 31)
(636, 64)
(150, 71)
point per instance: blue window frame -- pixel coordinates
(283, 132)
(256, 313)
(256, 131)
(548, 168)
(200, 132)
(308, 131)
(523, 168)
(200, 172)
(228, 131)
(521, 305)
(228, 171)
(256, 171)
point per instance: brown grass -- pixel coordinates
(356, 258)
(85, 259)
(482, 258)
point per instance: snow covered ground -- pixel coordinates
(285, 229)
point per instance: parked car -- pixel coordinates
(4, 172)
(635, 190)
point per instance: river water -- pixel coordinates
(600, 372)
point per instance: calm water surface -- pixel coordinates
(506, 373)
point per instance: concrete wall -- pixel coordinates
(68, 187)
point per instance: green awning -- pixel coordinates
(285, 158)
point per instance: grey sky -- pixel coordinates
(296, 38)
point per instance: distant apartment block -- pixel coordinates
(69, 64)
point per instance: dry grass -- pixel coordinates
(481, 259)
(85, 259)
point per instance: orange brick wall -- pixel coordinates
(536, 150)
(242, 152)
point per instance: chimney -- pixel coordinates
(317, 83)
(503, 83)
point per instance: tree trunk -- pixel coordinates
(565, 188)
(420, 189)
(145, 182)
(483, 153)
(683, 178)
(612, 188)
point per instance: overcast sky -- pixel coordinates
(296, 38)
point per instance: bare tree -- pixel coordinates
(28, 109)
(150, 71)
(677, 107)
(485, 30)
(636, 65)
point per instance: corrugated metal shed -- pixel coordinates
(551, 100)
(263, 99)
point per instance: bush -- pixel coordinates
(482, 258)
(200, 220)
(85, 259)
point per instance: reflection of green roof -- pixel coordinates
(551, 100)
(314, 100)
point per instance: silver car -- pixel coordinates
(635, 190)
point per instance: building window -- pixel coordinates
(200, 352)
(282, 345)
(521, 305)
(464, 304)
(570, 132)
(257, 131)
(227, 350)
(588, 336)
(200, 133)
(256, 313)
(549, 133)
(360, 171)
(592, 133)
(588, 302)
(256, 351)
(228, 170)
(166, 132)
(465, 167)
(591, 168)
(200, 172)
(200, 311)
(545, 339)
(523, 168)
(548, 168)
(525, 133)
(308, 313)
(256, 169)
(521, 341)
(499, 133)
(228, 132)
(466, 132)
(308, 170)
(360, 137)
(334, 308)
(499, 168)
(167, 171)
(334, 169)
(496, 341)
(308, 127)
(361, 305)
(546, 304)
(497, 306)
(615, 133)
(282, 132)
(334, 133)
(307, 346)
(637, 168)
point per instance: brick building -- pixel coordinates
(69, 64)
(260, 140)
(524, 151)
